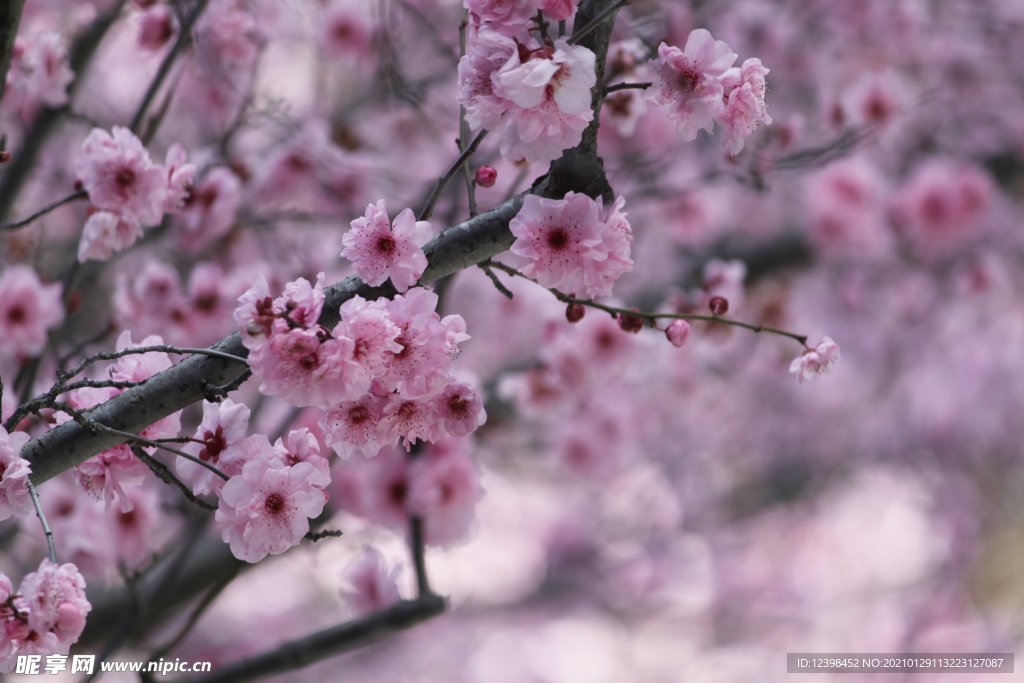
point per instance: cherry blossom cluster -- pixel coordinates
(698, 86)
(154, 300)
(534, 92)
(573, 244)
(127, 189)
(441, 486)
(266, 505)
(382, 373)
(110, 474)
(29, 309)
(45, 616)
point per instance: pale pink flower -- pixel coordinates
(375, 489)
(29, 309)
(106, 233)
(211, 208)
(266, 509)
(745, 108)
(351, 428)
(444, 489)
(373, 333)
(565, 77)
(570, 245)
(255, 314)
(54, 598)
(405, 421)
(687, 82)
(221, 435)
(428, 343)
(380, 249)
(301, 445)
(458, 409)
(14, 473)
(180, 176)
(369, 586)
(301, 302)
(875, 99)
(490, 51)
(817, 361)
(135, 533)
(117, 172)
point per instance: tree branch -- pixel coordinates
(332, 641)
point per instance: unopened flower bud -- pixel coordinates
(678, 332)
(719, 305)
(630, 323)
(574, 312)
(486, 176)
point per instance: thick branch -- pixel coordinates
(329, 642)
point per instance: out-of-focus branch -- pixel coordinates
(329, 642)
(24, 159)
(10, 17)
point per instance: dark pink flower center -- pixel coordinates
(16, 314)
(386, 245)
(274, 504)
(125, 177)
(215, 445)
(688, 79)
(558, 238)
(458, 405)
(358, 415)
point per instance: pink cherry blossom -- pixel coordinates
(815, 362)
(508, 16)
(458, 409)
(116, 171)
(266, 509)
(210, 208)
(745, 108)
(569, 244)
(444, 488)
(380, 249)
(40, 71)
(29, 309)
(301, 302)
(180, 177)
(54, 602)
(301, 445)
(221, 436)
(373, 333)
(14, 473)
(351, 428)
(405, 421)
(688, 84)
(369, 585)
(106, 233)
(255, 314)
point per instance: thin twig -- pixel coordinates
(51, 548)
(184, 36)
(163, 473)
(447, 177)
(627, 86)
(652, 317)
(25, 222)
